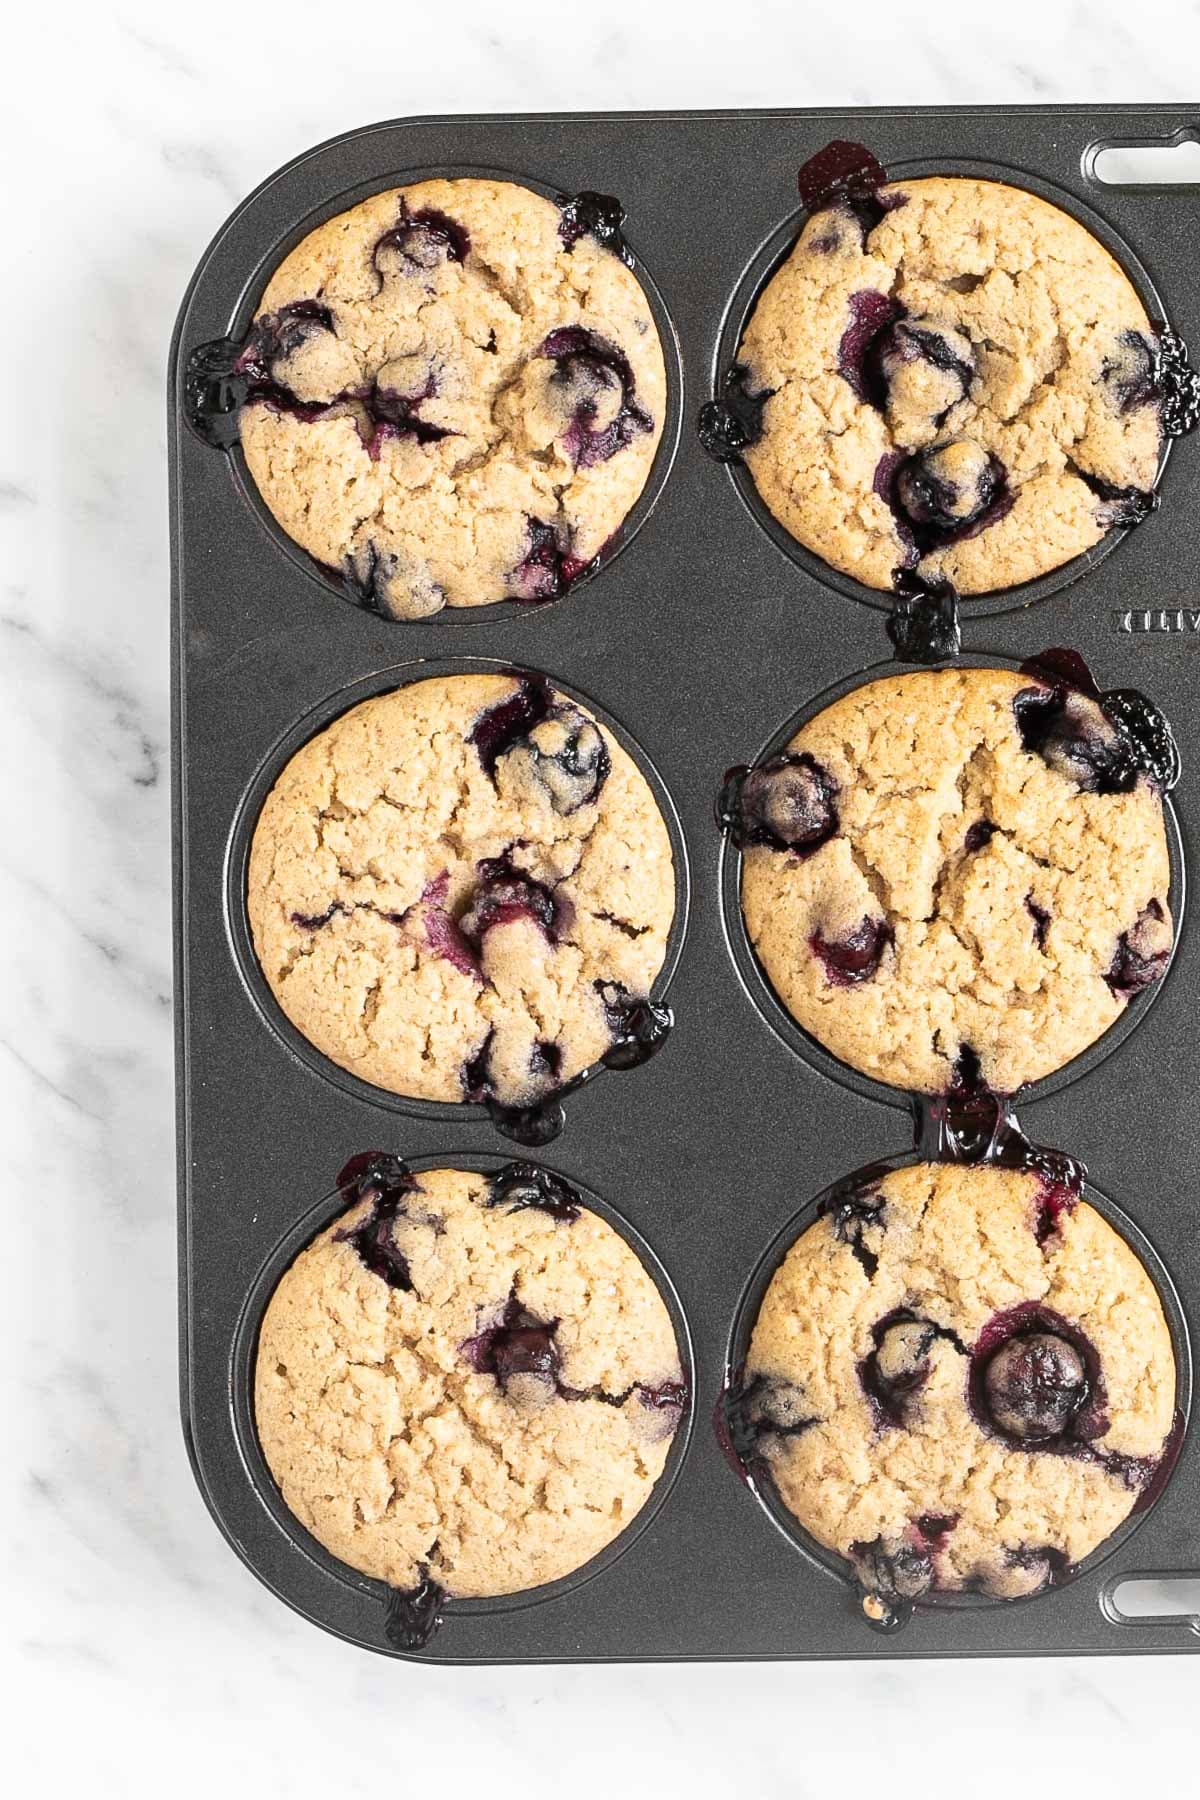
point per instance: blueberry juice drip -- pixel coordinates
(414, 1614)
(924, 623)
(970, 1123)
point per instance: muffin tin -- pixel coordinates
(697, 643)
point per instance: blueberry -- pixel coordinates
(855, 957)
(1121, 508)
(894, 1571)
(948, 487)
(870, 314)
(776, 1406)
(502, 727)
(517, 1344)
(592, 215)
(520, 1186)
(850, 1214)
(423, 239)
(315, 921)
(1041, 920)
(388, 415)
(504, 895)
(378, 580)
(899, 1364)
(1027, 1570)
(547, 569)
(387, 1182)
(786, 803)
(667, 1397)
(1071, 734)
(1142, 953)
(767, 1406)
(565, 753)
(924, 368)
(442, 933)
(979, 835)
(595, 389)
(1131, 372)
(1034, 1385)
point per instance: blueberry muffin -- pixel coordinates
(958, 864)
(467, 1379)
(451, 397)
(959, 381)
(461, 890)
(960, 1377)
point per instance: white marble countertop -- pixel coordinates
(137, 1655)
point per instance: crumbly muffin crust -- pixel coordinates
(417, 1435)
(450, 402)
(961, 381)
(457, 889)
(871, 1403)
(965, 860)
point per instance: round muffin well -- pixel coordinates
(452, 398)
(960, 1378)
(468, 1380)
(952, 379)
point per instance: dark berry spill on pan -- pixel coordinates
(924, 623)
(734, 421)
(847, 176)
(414, 1614)
(640, 1027)
(1178, 386)
(600, 216)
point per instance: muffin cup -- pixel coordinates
(758, 1479)
(766, 263)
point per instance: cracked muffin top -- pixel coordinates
(454, 396)
(467, 1378)
(960, 1377)
(959, 380)
(962, 866)
(462, 889)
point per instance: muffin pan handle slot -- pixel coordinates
(1146, 162)
(1154, 1599)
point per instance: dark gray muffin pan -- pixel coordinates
(700, 641)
